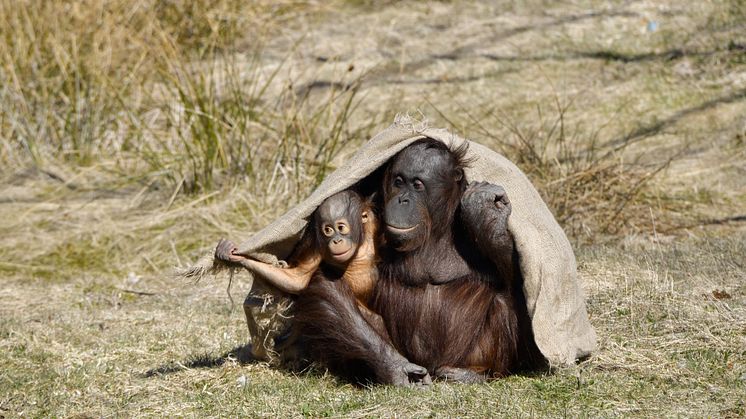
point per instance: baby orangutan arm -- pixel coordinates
(332, 236)
(292, 280)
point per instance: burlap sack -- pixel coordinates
(555, 301)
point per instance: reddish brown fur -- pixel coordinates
(456, 310)
(335, 323)
(466, 323)
(445, 304)
(359, 272)
(353, 282)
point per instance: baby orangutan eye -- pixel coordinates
(328, 231)
(343, 229)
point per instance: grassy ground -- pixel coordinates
(135, 134)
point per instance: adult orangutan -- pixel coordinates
(449, 287)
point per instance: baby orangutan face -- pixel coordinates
(340, 246)
(339, 222)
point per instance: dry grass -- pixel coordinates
(670, 322)
(134, 134)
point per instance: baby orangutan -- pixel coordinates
(336, 257)
(342, 236)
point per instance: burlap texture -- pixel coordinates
(555, 301)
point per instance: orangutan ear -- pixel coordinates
(364, 216)
(458, 174)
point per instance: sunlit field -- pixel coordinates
(135, 134)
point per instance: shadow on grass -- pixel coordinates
(655, 128)
(242, 353)
(606, 55)
(383, 75)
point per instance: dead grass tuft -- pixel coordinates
(595, 191)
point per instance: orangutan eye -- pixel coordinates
(328, 231)
(398, 182)
(418, 185)
(343, 229)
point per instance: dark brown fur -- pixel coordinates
(446, 306)
(347, 338)
(456, 310)
(333, 321)
(468, 323)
